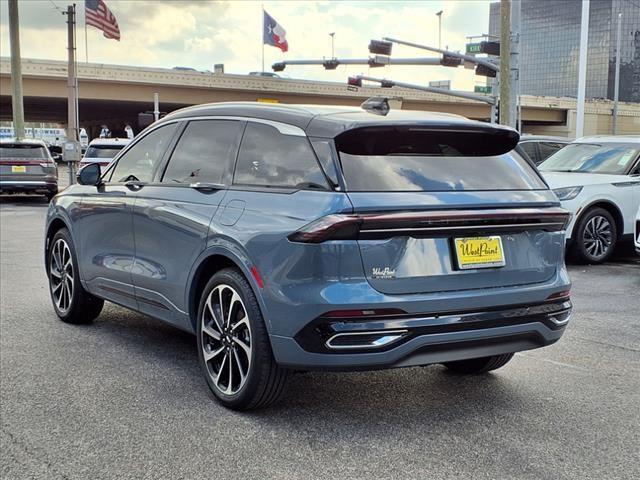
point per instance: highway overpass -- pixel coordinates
(115, 94)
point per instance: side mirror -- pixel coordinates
(89, 175)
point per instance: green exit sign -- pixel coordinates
(474, 47)
(482, 89)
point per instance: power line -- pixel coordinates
(55, 6)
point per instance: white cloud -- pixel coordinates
(201, 33)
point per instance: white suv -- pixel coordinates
(103, 150)
(598, 180)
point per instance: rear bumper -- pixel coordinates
(423, 340)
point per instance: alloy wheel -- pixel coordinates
(598, 237)
(226, 339)
(61, 275)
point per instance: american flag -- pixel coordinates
(97, 14)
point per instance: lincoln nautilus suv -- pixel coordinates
(293, 238)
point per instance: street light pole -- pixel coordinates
(332, 35)
(17, 104)
(616, 88)
(582, 68)
(439, 14)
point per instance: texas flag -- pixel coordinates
(273, 34)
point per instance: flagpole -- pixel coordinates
(86, 41)
(262, 41)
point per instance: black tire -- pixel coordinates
(591, 245)
(479, 365)
(264, 380)
(49, 195)
(82, 306)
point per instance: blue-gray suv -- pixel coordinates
(293, 238)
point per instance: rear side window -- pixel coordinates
(406, 160)
(267, 158)
(549, 148)
(205, 150)
(529, 148)
(22, 151)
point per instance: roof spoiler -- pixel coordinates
(473, 139)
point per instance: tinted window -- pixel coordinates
(548, 148)
(140, 160)
(204, 151)
(614, 158)
(23, 151)
(396, 160)
(271, 159)
(530, 149)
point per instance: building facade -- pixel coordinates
(550, 44)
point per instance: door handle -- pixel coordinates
(134, 184)
(207, 186)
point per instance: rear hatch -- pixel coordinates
(25, 161)
(446, 210)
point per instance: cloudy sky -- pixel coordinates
(199, 33)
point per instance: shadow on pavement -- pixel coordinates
(391, 398)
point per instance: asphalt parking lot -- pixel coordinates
(124, 397)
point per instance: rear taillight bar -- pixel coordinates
(432, 223)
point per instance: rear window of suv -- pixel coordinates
(22, 151)
(103, 151)
(414, 160)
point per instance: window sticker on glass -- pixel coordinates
(625, 159)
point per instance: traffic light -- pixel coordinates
(485, 71)
(380, 47)
(330, 64)
(354, 81)
(450, 61)
(278, 67)
(490, 48)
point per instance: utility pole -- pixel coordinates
(582, 68)
(505, 63)
(72, 149)
(17, 104)
(616, 88)
(156, 107)
(514, 64)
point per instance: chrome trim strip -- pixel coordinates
(386, 337)
(25, 182)
(283, 128)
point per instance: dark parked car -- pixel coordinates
(27, 166)
(301, 237)
(537, 148)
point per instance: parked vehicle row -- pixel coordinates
(298, 237)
